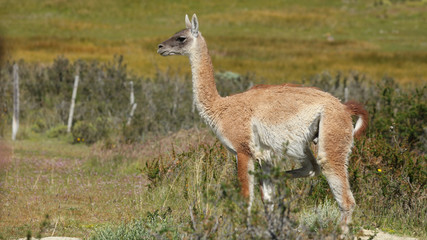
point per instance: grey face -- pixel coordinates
(178, 44)
(181, 42)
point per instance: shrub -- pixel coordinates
(390, 182)
(229, 83)
(154, 225)
(323, 216)
(84, 132)
(57, 131)
(164, 103)
(39, 126)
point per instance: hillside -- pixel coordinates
(278, 41)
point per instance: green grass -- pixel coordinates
(279, 40)
(121, 193)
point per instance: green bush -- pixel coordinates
(154, 225)
(164, 103)
(57, 131)
(389, 180)
(84, 132)
(39, 126)
(88, 132)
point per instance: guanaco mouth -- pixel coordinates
(166, 52)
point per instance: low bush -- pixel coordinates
(57, 131)
(164, 103)
(199, 190)
(387, 167)
(323, 216)
(154, 225)
(39, 126)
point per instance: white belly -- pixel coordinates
(289, 138)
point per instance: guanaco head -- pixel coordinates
(182, 42)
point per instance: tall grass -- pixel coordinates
(194, 195)
(134, 183)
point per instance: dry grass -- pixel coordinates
(5, 155)
(35, 185)
(79, 187)
(277, 41)
(276, 60)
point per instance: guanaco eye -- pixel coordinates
(181, 39)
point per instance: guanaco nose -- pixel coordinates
(160, 46)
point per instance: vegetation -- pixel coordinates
(164, 103)
(279, 40)
(165, 175)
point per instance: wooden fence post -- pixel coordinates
(15, 120)
(73, 100)
(346, 94)
(132, 103)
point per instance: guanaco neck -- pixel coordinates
(204, 88)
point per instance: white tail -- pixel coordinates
(254, 125)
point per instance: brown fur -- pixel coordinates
(356, 108)
(264, 86)
(243, 173)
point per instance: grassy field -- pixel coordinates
(79, 187)
(142, 180)
(144, 191)
(139, 181)
(278, 41)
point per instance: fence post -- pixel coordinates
(132, 103)
(73, 100)
(15, 120)
(346, 93)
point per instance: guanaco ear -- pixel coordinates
(187, 22)
(194, 26)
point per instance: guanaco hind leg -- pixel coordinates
(334, 148)
(244, 166)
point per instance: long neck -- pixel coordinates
(204, 87)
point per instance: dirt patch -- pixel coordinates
(380, 235)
